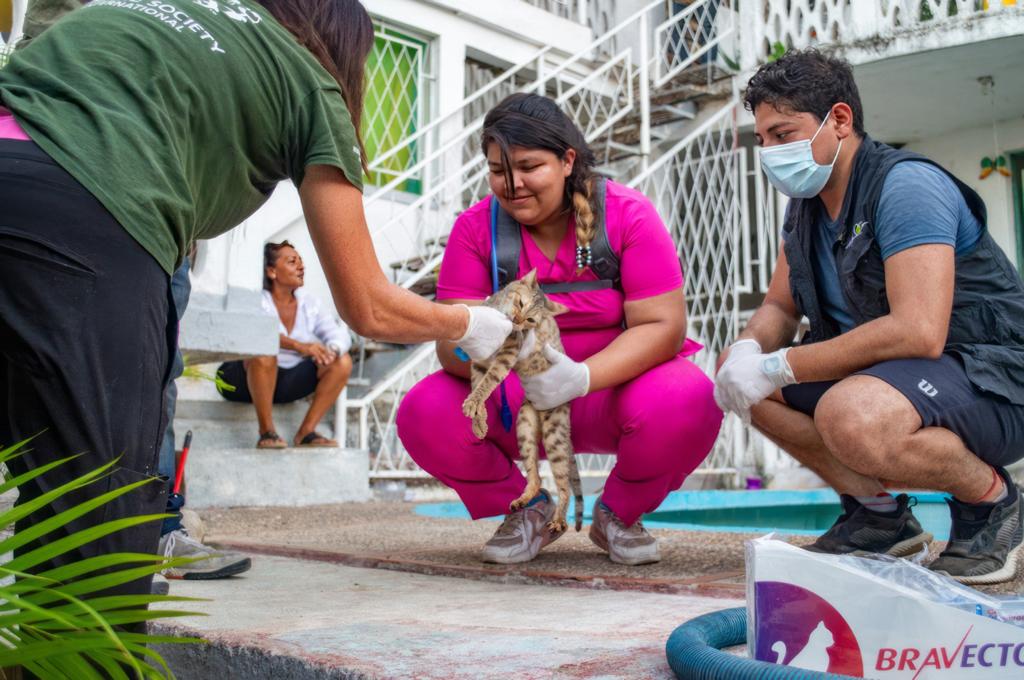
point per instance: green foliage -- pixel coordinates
(778, 50)
(192, 371)
(53, 624)
(732, 62)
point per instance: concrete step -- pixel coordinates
(225, 469)
(228, 477)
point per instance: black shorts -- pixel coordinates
(292, 383)
(990, 426)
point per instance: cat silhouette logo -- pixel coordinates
(797, 628)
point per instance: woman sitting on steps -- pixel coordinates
(313, 358)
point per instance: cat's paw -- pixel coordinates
(557, 525)
(470, 407)
(480, 426)
(520, 503)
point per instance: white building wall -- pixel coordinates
(961, 151)
(509, 32)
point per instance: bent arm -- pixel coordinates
(775, 322)
(919, 286)
(655, 331)
(371, 305)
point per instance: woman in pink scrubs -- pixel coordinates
(634, 394)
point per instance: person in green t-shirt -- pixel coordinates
(128, 130)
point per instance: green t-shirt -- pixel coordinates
(180, 118)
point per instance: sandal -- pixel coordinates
(315, 440)
(271, 440)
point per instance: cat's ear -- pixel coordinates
(531, 278)
(555, 308)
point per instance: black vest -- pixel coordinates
(986, 329)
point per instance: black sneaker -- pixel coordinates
(860, 531)
(985, 539)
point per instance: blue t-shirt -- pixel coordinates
(919, 205)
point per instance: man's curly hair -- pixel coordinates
(806, 81)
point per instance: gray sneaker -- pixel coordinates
(160, 586)
(630, 545)
(211, 563)
(985, 540)
(523, 533)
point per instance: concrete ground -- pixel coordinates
(391, 535)
(374, 590)
(290, 618)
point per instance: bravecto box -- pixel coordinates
(875, 618)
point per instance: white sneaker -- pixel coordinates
(522, 535)
(630, 545)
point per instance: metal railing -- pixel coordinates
(601, 86)
(696, 186)
(574, 10)
(801, 23)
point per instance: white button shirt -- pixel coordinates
(312, 324)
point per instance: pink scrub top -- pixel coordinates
(648, 265)
(9, 128)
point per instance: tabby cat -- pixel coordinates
(528, 308)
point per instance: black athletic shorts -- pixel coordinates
(990, 426)
(292, 383)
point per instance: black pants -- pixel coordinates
(87, 333)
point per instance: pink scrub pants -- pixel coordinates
(660, 426)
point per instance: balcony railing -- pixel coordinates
(769, 24)
(574, 10)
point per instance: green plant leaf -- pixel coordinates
(25, 509)
(94, 583)
(64, 518)
(46, 626)
(110, 667)
(44, 618)
(91, 614)
(31, 474)
(76, 540)
(90, 564)
(73, 666)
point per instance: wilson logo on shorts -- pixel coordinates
(927, 388)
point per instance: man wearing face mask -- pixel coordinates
(912, 372)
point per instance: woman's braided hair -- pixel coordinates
(535, 122)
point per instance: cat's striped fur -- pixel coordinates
(528, 308)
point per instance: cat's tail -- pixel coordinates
(577, 490)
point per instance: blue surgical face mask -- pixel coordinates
(791, 168)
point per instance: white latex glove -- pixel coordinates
(564, 381)
(527, 347)
(742, 348)
(487, 331)
(748, 379)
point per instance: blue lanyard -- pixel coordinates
(506, 411)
